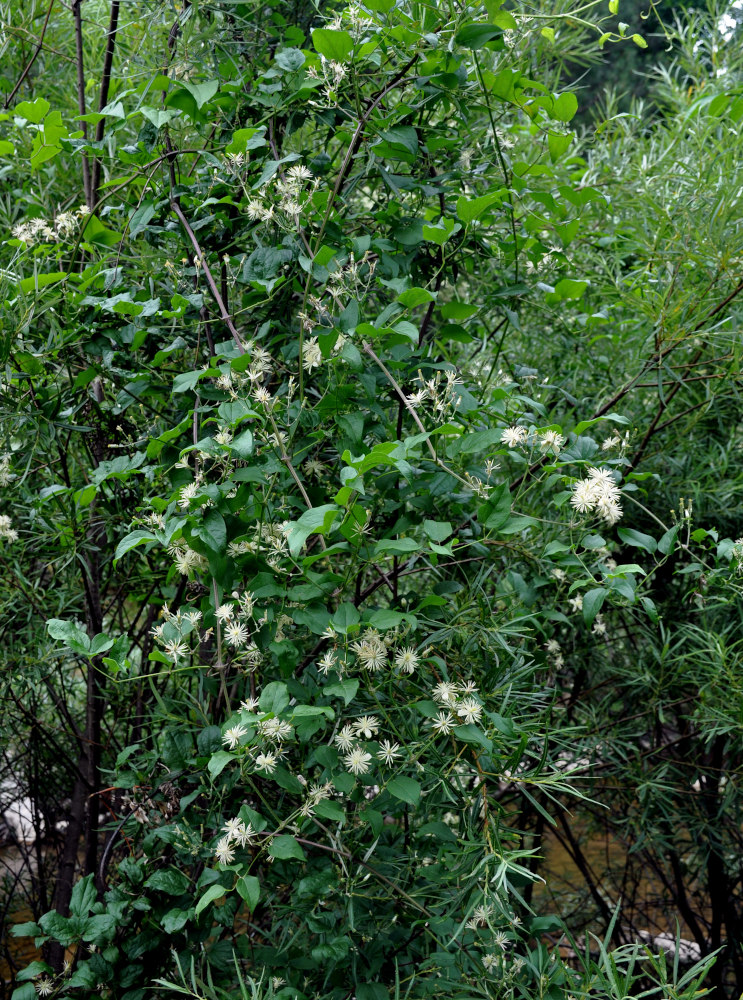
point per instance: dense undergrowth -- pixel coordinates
(371, 465)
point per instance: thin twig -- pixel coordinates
(210, 280)
(31, 61)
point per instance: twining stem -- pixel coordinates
(209, 278)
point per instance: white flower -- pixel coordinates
(187, 494)
(311, 354)
(299, 173)
(407, 660)
(224, 853)
(551, 441)
(358, 761)
(446, 692)
(552, 646)
(313, 467)
(232, 737)
(243, 835)
(291, 207)
(224, 612)
(231, 827)
(371, 652)
(576, 603)
(443, 724)
(326, 663)
(500, 939)
(470, 710)
(366, 726)
(344, 740)
(236, 634)
(44, 986)
(266, 762)
(489, 962)
(175, 649)
(388, 752)
(603, 476)
(513, 436)
(608, 508)
(249, 705)
(585, 495)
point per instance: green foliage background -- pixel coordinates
(316, 326)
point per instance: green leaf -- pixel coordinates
(473, 734)
(667, 542)
(168, 880)
(274, 697)
(406, 789)
(174, 920)
(202, 92)
(186, 381)
(567, 288)
(413, 297)
(131, 540)
(345, 618)
(219, 761)
(317, 520)
(474, 36)
(558, 144)
(334, 811)
(564, 107)
(249, 888)
(140, 218)
(631, 537)
(244, 139)
(37, 281)
(345, 689)
(26, 991)
(469, 209)
(398, 142)
(438, 531)
(212, 893)
(592, 603)
(100, 644)
(67, 632)
(32, 111)
(83, 897)
(335, 45)
(284, 847)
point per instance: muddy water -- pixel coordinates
(21, 950)
(646, 904)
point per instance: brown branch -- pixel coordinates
(208, 274)
(103, 99)
(32, 60)
(80, 67)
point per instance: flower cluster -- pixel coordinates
(440, 392)
(172, 633)
(459, 707)
(186, 560)
(236, 832)
(598, 493)
(41, 231)
(6, 476)
(271, 734)
(357, 758)
(333, 75)
(7, 531)
(518, 436)
(374, 652)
